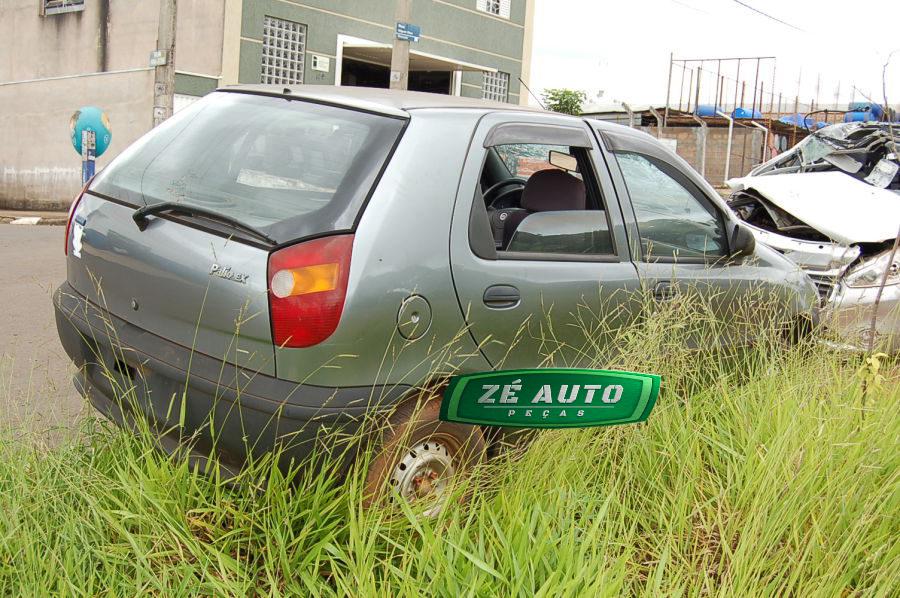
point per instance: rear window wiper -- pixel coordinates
(140, 217)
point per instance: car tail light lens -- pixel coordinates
(307, 288)
(72, 209)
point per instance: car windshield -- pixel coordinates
(289, 168)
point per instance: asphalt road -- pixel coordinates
(36, 391)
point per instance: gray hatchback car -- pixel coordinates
(271, 262)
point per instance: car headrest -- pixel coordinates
(552, 189)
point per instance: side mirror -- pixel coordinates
(743, 243)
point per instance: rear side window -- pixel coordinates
(537, 200)
(288, 167)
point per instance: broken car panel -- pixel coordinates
(832, 204)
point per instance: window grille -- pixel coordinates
(495, 86)
(499, 8)
(283, 51)
(53, 7)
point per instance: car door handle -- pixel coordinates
(501, 295)
(664, 291)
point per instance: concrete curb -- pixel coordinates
(31, 219)
(35, 205)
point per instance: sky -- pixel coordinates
(621, 49)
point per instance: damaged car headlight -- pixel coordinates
(870, 272)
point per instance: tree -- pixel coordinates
(567, 101)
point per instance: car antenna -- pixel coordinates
(536, 99)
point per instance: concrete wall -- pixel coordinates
(746, 149)
(52, 65)
(38, 166)
(108, 35)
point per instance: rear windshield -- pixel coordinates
(287, 167)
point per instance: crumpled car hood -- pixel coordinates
(841, 207)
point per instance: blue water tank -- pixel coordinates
(708, 110)
(876, 109)
(746, 113)
(863, 112)
(859, 117)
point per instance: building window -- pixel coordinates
(495, 86)
(499, 8)
(283, 51)
(55, 7)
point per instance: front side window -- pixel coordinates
(542, 199)
(283, 51)
(672, 221)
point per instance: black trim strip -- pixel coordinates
(318, 101)
(558, 257)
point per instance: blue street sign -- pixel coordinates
(408, 32)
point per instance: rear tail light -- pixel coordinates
(72, 209)
(307, 288)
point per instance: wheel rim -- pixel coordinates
(423, 472)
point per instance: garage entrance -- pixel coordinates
(362, 63)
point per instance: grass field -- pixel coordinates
(773, 473)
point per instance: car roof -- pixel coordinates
(399, 103)
(385, 101)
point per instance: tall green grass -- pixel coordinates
(760, 472)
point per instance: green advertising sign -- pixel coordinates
(550, 398)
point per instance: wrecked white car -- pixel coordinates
(832, 205)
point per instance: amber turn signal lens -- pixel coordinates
(305, 280)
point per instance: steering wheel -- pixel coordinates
(498, 186)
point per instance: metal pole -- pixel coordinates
(697, 97)
(737, 82)
(660, 120)
(721, 97)
(400, 52)
(765, 146)
(668, 88)
(755, 85)
(728, 147)
(630, 113)
(818, 86)
(719, 84)
(796, 117)
(690, 87)
(164, 74)
(88, 150)
(772, 88)
(702, 152)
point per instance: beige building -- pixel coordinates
(59, 55)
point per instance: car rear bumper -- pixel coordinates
(201, 405)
